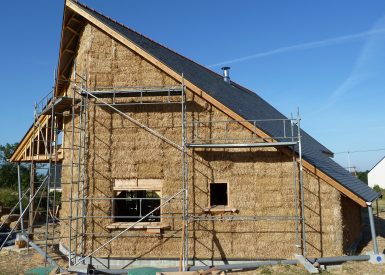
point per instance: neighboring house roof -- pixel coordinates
(377, 163)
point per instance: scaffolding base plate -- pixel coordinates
(376, 258)
(306, 264)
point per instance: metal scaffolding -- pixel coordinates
(69, 114)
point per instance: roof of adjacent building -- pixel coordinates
(383, 159)
(240, 100)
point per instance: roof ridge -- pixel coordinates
(148, 38)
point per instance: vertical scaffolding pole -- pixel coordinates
(79, 149)
(297, 242)
(372, 227)
(301, 185)
(49, 143)
(55, 150)
(32, 177)
(80, 172)
(85, 102)
(31, 198)
(184, 183)
(72, 168)
(78, 201)
(20, 197)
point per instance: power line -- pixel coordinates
(361, 151)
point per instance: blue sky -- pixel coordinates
(325, 57)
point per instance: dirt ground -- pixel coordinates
(12, 262)
(17, 263)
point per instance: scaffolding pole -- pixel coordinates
(295, 169)
(20, 196)
(301, 186)
(72, 167)
(78, 198)
(372, 228)
(184, 183)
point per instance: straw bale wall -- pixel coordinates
(260, 180)
(352, 224)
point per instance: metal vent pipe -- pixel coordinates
(226, 74)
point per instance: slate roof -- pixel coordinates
(240, 100)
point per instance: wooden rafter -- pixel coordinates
(26, 143)
(66, 22)
(69, 51)
(71, 30)
(72, 18)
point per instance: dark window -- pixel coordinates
(130, 206)
(218, 194)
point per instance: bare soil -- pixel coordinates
(17, 263)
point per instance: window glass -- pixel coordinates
(132, 205)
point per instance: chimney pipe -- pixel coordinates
(226, 74)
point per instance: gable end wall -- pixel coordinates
(260, 179)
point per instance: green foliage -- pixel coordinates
(6, 152)
(9, 197)
(363, 176)
(55, 196)
(377, 188)
(8, 170)
(9, 177)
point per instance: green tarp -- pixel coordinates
(39, 271)
(144, 271)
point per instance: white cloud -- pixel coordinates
(369, 63)
(304, 46)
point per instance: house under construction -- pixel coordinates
(165, 163)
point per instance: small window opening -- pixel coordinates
(218, 194)
(131, 206)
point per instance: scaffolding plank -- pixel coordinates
(240, 145)
(60, 105)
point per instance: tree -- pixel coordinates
(8, 170)
(377, 188)
(9, 177)
(363, 176)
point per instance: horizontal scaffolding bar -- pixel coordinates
(136, 92)
(240, 145)
(139, 103)
(242, 218)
